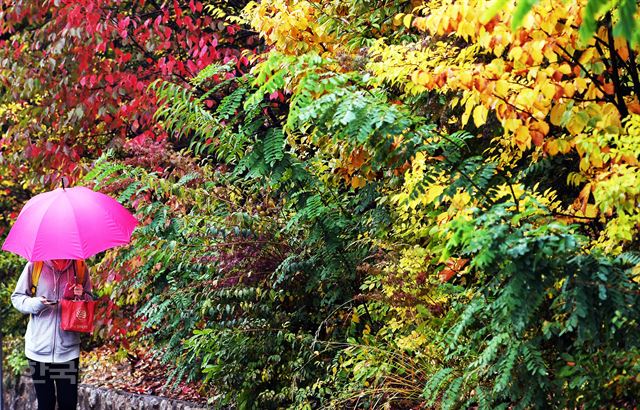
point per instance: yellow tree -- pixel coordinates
(540, 92)
(549, 92)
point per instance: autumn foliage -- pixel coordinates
(76, 74)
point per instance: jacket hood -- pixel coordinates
(50, 265)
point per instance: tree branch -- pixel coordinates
(615, 75)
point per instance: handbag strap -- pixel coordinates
(80, 268)
(79, 271)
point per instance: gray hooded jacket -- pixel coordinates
(45, 341)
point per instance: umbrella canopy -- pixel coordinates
(71, 223)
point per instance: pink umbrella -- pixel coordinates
(72, 223)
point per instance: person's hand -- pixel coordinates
(78, 290)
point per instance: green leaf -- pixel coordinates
(592, 12)
(492, 10)
(274, 145)
(523, 7)
(627, 26)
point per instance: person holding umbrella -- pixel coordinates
(56, 231)
(52, 352)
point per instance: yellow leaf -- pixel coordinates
(586, 56)
(565, 68)
(591, 211)
(424, 78)
(564, 146)
(415, 77)
(355, 318)
(580, 84)
(466, 29)
(593, 92)
(583, 196)
(469, 105)
(551, 147)
(596, 159)
(502, 88)
(584, 164)
(460, 200)
(569, 89)
(576, 123)
(556, 113)
(621, 47)
(480, 115)
(432, 193)
(526, 98)
(540, 127)
(548, 90)
(301, 23)
(420, 23)
(511, 124)
(397, 20)
(465, 78)
(515, 53)
(406, 20)
(536, 52)
(523, 138)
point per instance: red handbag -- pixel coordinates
(77, 315)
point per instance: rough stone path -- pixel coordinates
(22, 397)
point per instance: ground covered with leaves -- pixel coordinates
(134, 372)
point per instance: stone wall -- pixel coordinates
(20, 395)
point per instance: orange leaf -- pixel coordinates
(446, 274)
(454, 265)
(357, 158)
(608, 88)
(358, 182)
(537, 138)
(634, 107)
(541, 127)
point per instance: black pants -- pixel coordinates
(55, 382)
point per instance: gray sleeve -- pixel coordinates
(21, 296)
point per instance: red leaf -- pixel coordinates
(177, 9)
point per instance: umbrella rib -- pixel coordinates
(121, 228)
(107, 216)
(113, 218)
(40, 226)
(75, 221)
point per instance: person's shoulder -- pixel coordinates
(27, 268)
(31, 264)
